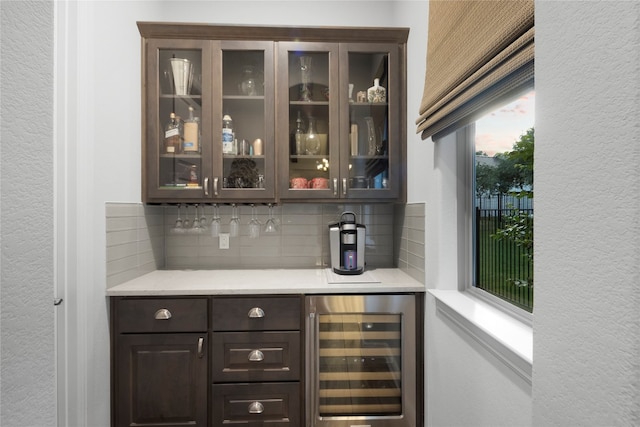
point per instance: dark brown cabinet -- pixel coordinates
(257, 361)
(159, 361)
(304, 124)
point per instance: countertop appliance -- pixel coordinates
(346, 241)
(362, 361)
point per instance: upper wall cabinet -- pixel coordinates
(262, 114)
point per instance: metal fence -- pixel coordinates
(503, 268)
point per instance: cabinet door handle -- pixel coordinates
(163, 314)
(215, 186)
(335, 186)
(200, 347)
(256, 312)
(344, 186)
(256, 356)
(256, 408)
(206, 186)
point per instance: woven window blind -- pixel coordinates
(479, 53)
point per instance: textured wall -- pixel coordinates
(27, 392)
(586, 368)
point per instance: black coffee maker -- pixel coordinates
(346, 241)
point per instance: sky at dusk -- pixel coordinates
(499, 130)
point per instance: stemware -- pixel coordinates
(271, 225)
(186, 223)
(178, 225)
(196, 228)
(254, 224)
(215, 222)
(203, 220)
(234, 225)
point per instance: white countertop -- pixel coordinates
(267, 281)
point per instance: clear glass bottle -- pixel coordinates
(191, 134)
(299, 135)
(173, 135)
(312, 142)
(227, 135)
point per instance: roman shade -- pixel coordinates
(479, 53)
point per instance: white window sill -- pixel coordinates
(506, 337)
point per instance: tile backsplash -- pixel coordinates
(140, 238)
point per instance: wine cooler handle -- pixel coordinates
(215, 186)
(256, 356)
(256, 313)
(206, 186)
(256, 408)
(163, 314)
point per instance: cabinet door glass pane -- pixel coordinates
(360, 364)
(309, 120)
(368, 120)
(180, 112)
(243, 109)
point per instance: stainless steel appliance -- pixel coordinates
(361, 363)
(346, 240)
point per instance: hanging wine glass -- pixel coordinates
(203, 220)
(178, 225)
(186, 224)
(271, 225)
(234, 225)
(254, 224)
(215, 222)
(196, 228)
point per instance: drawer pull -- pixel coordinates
(256, 408)
(256, 356)
(256, 312)
(163, 314)
(200, 348)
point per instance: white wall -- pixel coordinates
(26, 214)
(587, 318)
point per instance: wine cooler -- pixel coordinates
(362, 355)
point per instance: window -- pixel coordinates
(503, 202)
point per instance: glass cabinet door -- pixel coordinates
(370, 97)
(308, 120)
(177, 118)
(244, 146)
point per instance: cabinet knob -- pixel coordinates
(163, 314)
(335, 186)
(206, 186)
(256, 312)
(215, 186)
(344, 186)
(256, 356)
(256, 408)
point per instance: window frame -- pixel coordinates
(466, 165)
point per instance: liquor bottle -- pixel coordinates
(299, 135)
(227, 135)
(173, 135)
(191, 134)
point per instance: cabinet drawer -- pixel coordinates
(273, 404)
(255, 356)
(256, 314)
(162, 315)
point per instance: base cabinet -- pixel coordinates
(162, 381)
(159, 361)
